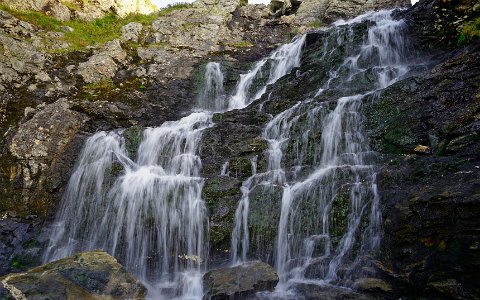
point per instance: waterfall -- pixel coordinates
(212, 95)
(143, 205)
(253, 85)
(319, 155)
(151, 215)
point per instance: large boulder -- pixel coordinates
(38, 148)
(284, 7)
(89, 275)
(104, 64)
(239, 282)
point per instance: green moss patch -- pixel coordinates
(22, 262)
(469, 32)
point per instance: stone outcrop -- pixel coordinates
(84, 10)
(317, 13)
(435, 25)
(239, 282)
(38, 146)
(104, 63)
(284, 7)
(22, 53)
(433, 196)
(89, 275)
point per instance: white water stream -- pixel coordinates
(331, 176)
(144, 206)
(148, 212)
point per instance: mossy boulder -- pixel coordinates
(89, 275)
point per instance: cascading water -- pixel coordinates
(212, 96)
(329, 212)
(151, 216)
(280, 63)
(144, 206)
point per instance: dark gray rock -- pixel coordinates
(319, 292)
(431, 200)
(372, 285)
(239, 282)
(20, 247)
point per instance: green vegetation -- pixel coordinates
(96, 32)
(92, 90)
(469, 32)
(71, 5)
(22, 262)
(315, 24)
(107, 89)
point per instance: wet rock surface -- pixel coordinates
(425, 131)
(240, 282)
(319, 292)
(435, 25)
(89, 275)
(21, 242)
(431, 196)
(316, 13)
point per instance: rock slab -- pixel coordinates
(239, 282)
(89, 275)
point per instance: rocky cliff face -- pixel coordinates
(425, 128)
(84, 10)
(142, 78)
(53, 96)
(315, 13)
(430, 159)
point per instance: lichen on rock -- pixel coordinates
(89, 275)
(84, 10)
